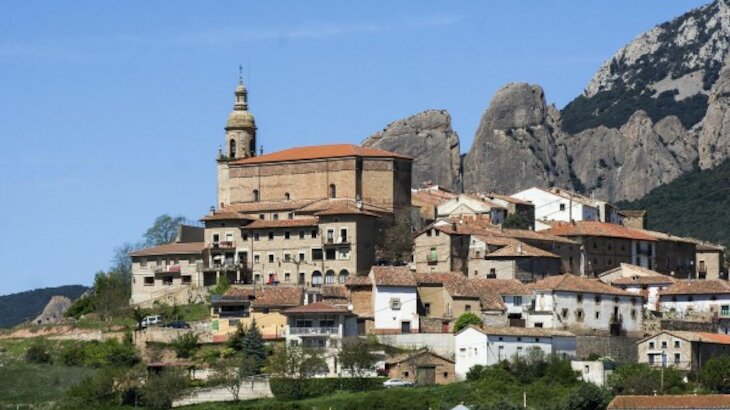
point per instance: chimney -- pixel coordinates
(519, 248)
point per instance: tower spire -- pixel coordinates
(240, 74)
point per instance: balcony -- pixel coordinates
(168, 269)
(337, 242)
(223, 245)
(314, 331)
(226, 267)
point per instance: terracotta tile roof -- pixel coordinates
(393, 276)
(333, 291)
(177, 248)
(359, 281)
(225, 215)
(249, 207)
(644, 280)
(282, 223)
(408, 356)
(320, 152)
(521, 331)
(506, 198)
(430, 197)
(704, 337)
(520, 250)
(267, 297)
(596, 228)
(433, 278)
(573, 283)
(697, 287)
(535, 235)
(329, 203)
(661, 236)
(481, 226)
(317, 307)
(345, 209)
(687, 401)
(488, 291)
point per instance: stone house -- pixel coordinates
(675, 255)
(703, 299)
(165, 269)
(585, 306)
(686, 351)
(421, 367)
(633, 218)
(441, 248)
(514, 206)
(499, 257)
(322, 326)
(426, 201)
(710, 261)
(360, 297)
(605, 246)
(638, 280)
(244, 304)
(488, 345)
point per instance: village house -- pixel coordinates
(710, 261)
(593, 371)
(514, 206)
(585, 306)
(395, 300)
(686, 351)
(638, 280)
(675, 255)
(360, 297)
(605, 246)
(488, 345)
(633, 218)
(699, 299)
(471, 206)
(242, 305)
(322, 326)
(500, 257)
(421, 367)
(425, 201)
(555, 204)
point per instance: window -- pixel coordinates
(290, 215)
(677, 358)
(651, 345)
(500, 353)
(286, 234)
(598, 315)
(395, 303)
(301, 234)
(633, 314)
(331, 254)
(579, 298)
(428, 232)
(342, 278)
(143, 262)
(255, 195)
(316, 278)
(287, 276)
(564, 313)
(187, 279)
(262, 217)
(271, 258)
(492, 273)
(232, 149)
(597, 298)
(245, 236)
(562, 207)
(149, 281)
(316, 254)
(314, 233)
(276, 217)
(329, 278)
(676, 344)
(467, 308)
(437, 232)
(287, 257)
(333, 191)
(579, 315)
(427, 309)
(664, 344)
(478, 254)
(167, 281)
(517, 300)
(343, 235)
(255, 236)
(330, 235)
(256, 258)
(301, 256)
(519, 339)
(286, 196)
(519, 350)
(271, 235)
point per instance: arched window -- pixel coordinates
(287, 197)
(232, 149)
(255, 195)
(329, 277)
(333, 191)
(316, 278)
(342, 278)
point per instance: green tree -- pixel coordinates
(164, 230)
(516, 221)
(161, 389)
(232, 372)
(138, 314)
(185, 345)
(356, 356)
(220, 287)
(641, 379)
(253, 344)
(398, 241)
(235, 341)
(122, 262)
(110, 295)
(297, 364)
(587, 396)
(715, 374)
(467, 319)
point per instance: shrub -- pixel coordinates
(291, 389)
(161, 389)
(715, 374)
(587, 396)
(98, 354)
(185, 344)
(465, 320)
(38, 352)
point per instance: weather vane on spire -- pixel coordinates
(240, 74)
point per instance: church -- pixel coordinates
(304, 216)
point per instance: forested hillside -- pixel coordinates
(19, 307)
(696, 204)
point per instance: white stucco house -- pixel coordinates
(585, 306)
(638, 280)
(556, 204)
(395, 300)
(466, 205)
(698, 298)
(487, 346)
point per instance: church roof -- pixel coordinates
(320, 152)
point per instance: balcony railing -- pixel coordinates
(233, 313)
(336, 241)
(314, 331)
(168, 269)
(224, 267)
(223, 245)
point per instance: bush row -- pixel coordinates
(296, 389)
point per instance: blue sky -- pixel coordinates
(111, 113)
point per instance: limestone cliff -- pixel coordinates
(430, 140)
(714, 131)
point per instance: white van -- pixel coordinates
(152, 321)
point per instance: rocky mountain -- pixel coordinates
(54, 310)
(660, 107)
(20, 307)
(430, 140)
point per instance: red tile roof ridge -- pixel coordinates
(175, 248)
(317, 307)
(320, 152)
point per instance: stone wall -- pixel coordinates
(621, 348)
(689, 325)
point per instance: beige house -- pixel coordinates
(422, 367)
(710, 261)
(686, 351)
(496, 257)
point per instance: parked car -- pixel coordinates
(151, 321)
(397, 383)
(178, 324)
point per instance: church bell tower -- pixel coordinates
(241, 128)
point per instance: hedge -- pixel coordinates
(295, 389)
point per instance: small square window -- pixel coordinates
(149, 281)
(651, 345)
(287, 276)
(271, 235)
(676, 344)
(395, 304)
(314, 233)
(187, 279)
(271, 258)
(664, 344)
(301, 234)
(256, 236)
(286, 234)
